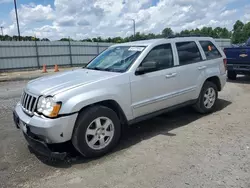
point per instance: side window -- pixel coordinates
(188, 52)
(162, 55)
(210, 50)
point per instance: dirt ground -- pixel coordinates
(178, 149)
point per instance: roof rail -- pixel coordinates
(187, 35)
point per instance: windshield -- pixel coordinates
(116, 59)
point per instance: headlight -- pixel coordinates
(48, 106)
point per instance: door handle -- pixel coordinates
(171, 75)
(202, 67)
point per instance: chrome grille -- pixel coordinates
(28, 103)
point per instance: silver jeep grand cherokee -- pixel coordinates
(125, 84)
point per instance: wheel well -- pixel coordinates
(112, 105)
(216, 81)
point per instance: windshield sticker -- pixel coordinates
(134, 48)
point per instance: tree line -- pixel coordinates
(239, 34)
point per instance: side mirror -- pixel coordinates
(147, 66)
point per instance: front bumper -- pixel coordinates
(50, 131)
(42, 148)
(37, 145)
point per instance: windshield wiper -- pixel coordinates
(105, 69)
(113, 70)
(95, 68)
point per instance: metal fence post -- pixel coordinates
(37, 55)
(70, 54)
(98, 50)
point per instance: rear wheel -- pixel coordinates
(97, 131)
(207, 99)
(231, 75)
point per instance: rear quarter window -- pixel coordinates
(188, 52)
(210, 50)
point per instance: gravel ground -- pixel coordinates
(178, 149)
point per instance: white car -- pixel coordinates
(125, 84)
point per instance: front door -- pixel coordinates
(153, 90)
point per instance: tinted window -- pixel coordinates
(188, 52)
(162, 55)
(210, 50)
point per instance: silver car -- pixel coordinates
(125, 84)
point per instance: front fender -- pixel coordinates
(79, 101)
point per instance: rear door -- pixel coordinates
(213, 62)
(189, 70)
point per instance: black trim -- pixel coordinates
(42, 148)
(63, 115)
(59, 115)
(186, 35)
(159, 112)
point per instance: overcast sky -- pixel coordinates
(80, 19)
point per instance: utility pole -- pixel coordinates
(2, 29)
(133, 25)
(19, 38)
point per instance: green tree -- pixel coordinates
(238, 33)
(207, 31)
(246, 31)
(66, 39)
(117, 40)
(185, 32)
(99, 39)
(108, 39)
(167, 32)
(151, 36)
(86, 40)
(45, 39)
(225, 33)
(238, 25)
(217, 32)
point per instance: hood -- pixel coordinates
(60, 82)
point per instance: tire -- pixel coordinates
(201, 106)
(231, 75)
(92, 136)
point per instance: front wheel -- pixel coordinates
(207, 99)
(97, 131)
